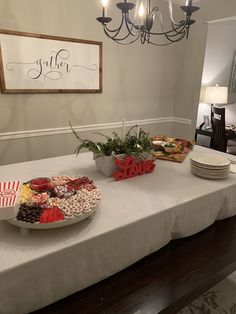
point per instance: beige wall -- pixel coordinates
(220, 50)
(139, 81)
(188, 90)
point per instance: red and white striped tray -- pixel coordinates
(9, 199)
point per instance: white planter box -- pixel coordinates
(106, 165)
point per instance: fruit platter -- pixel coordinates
(55, 202)
(171, 148)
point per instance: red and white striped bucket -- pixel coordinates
(8, 199)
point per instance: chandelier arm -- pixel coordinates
(126, 44)
(136, 27)
(154, 33)
(127, 22)
(177, 36)
(171, 14)
(184, 32)
(169, 33)
(107, 32)
(162, 24)
(115, 36)
(175, 32)
(109, 35)
(117, 29)
(169, 39)
(175, 29)
(184, 27)
(178, 30)
(156, 44)
(143, 37)
(129, 31)
(175, 40)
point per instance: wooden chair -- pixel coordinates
(221, 136)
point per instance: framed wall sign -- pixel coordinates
(35, 63)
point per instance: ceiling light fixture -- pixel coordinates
(137, 22)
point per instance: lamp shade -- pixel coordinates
(215, 95)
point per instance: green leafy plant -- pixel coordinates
(132, 145)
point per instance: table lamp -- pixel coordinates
(215, 95)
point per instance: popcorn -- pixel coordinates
(26, 194)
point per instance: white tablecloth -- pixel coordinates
(136, 217)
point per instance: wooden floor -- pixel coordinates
(163, 282)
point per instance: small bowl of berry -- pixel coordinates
(41, 184)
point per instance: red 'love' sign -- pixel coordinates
(130, 168)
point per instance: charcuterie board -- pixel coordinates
(46, 203)
(171, 148)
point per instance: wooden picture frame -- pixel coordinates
(36, 63)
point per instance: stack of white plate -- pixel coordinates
(210, 166)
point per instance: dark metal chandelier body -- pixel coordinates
(141, 26)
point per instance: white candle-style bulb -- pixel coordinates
(104, 8)
(104, 3)
(141, 10)
(123, 130)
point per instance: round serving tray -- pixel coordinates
(50, 225)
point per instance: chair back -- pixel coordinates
(218, 129)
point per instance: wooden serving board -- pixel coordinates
(187, 146)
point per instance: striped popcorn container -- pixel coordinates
(9, 199)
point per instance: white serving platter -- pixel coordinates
(26, 226)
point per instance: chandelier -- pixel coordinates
(144, 22)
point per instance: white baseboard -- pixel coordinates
(85, 128)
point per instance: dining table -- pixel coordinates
(136, 217)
